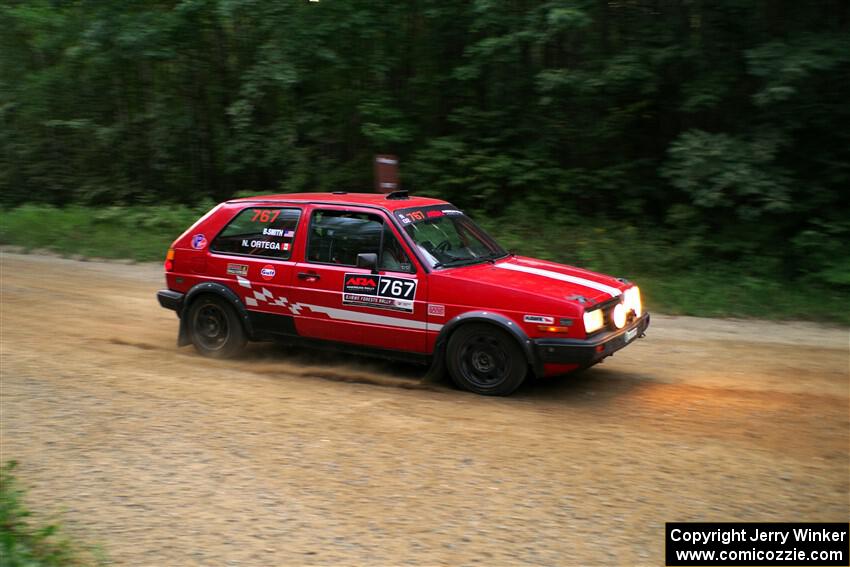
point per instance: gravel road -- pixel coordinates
(303, 458)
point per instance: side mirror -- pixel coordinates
(369, 261)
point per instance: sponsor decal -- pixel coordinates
(377, 302)
(436, 310)
(361, 283)
(199, 242)
(237, 269)
(420, 215)
(381, 292)
(267, 272)
(288, 233)
(539, 319)
(261, 244)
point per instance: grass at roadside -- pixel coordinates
(23, 544)
(136, 233)
(671, 279)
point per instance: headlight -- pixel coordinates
(631, 299)
(593, 320)
(619, 315)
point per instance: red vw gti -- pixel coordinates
(398, 276)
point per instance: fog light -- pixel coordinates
(631, 298)
(619, 316)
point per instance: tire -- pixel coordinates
(486, 360)
(214, 328)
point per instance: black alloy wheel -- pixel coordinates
(215, 328)
(486, 360)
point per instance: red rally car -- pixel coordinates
(394, 275)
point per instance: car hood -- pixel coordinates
(542, 278)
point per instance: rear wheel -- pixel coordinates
(215, 328)
(485, 360)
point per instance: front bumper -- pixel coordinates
(585, 352)
(170, 299)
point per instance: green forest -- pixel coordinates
(681, 138)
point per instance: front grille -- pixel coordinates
(608, 313)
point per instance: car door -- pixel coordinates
(252, 255)
(338, 301)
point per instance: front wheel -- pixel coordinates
(486, 360)
(215, 328)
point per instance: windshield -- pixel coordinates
(445, 237)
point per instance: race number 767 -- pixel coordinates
(397, 287)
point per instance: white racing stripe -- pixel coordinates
(612, 291)
(357, 316)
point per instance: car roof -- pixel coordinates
(343, 198)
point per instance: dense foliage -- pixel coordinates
(723, 126)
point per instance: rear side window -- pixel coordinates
(262, 232)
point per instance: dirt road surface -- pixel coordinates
(294, 458)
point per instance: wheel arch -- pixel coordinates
(216, 289)
(495, 319)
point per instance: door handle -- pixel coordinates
(309, 276)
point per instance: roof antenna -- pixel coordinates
(398, 195)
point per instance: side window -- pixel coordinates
(259, 231)
(337, 237)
